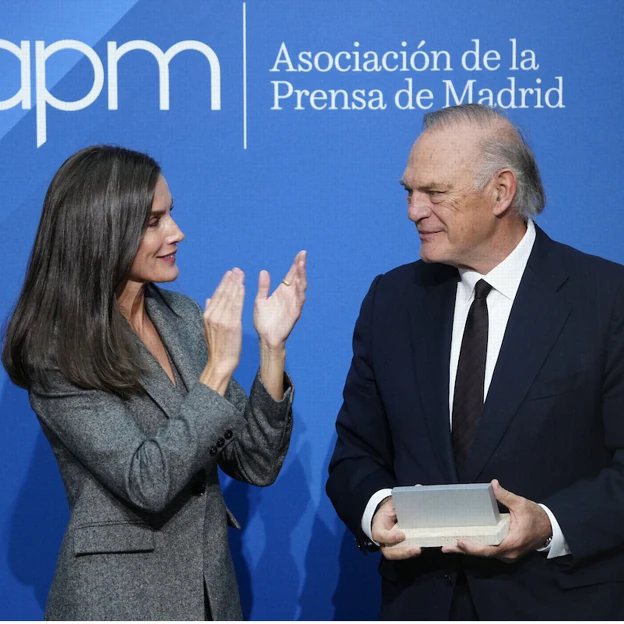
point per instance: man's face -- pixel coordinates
(456, 224)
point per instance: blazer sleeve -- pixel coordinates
(255, 452)
(590, 512)
(148, 472)
(249, 438)
(362, 460)
(258, 449)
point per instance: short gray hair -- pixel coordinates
(503, 148)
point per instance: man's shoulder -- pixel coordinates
(417, 274)
(406, 285)
(586, 265)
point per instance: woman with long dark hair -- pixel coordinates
(133, 387)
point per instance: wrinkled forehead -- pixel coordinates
(443, 152)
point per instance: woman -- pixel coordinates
(133, 388)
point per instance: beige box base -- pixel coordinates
(448, 536)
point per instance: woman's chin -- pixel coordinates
(169, 276)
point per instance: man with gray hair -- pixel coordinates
(499, 357)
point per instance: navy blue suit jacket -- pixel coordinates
(552, 431)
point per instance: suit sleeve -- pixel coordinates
(362, 460)
(591, 511)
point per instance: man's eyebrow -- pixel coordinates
(426, 187)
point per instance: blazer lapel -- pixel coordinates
(537, 317)
(154, 380)
(178, 337)
(175, 334)
(431, 347)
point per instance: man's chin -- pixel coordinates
(428, 255)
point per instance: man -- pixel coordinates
(520, 384)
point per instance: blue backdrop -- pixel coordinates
(280, 126)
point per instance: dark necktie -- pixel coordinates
(470, 379)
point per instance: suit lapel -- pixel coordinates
(537, 317)
(431, 344)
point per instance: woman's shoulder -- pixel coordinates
(178, 303)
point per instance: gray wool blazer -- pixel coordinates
(148, 524)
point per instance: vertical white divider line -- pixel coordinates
(244, 75)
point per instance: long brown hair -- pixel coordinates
(94, 216)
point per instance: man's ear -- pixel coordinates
(506, 185)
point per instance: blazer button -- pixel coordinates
(220, 442)
(448, 580)
(228, 434)
(213, 451)
(199, 489)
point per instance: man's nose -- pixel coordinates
(417, 207)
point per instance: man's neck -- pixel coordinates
(500, 247)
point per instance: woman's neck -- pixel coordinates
(131, 303)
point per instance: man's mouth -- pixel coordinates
(421, 233)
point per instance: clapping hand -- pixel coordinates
(274, 318)
(223, 330)
(276, 315)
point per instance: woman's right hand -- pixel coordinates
(223, 330)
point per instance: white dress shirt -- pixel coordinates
(505, 280)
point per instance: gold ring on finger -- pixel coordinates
(286, 283)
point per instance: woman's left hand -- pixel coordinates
(275, 316)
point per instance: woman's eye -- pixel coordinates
(153, 222)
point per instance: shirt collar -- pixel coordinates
(504, 277)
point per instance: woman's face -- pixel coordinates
(155, 260)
